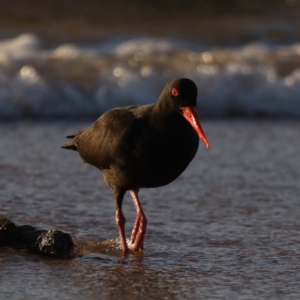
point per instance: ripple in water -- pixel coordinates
(227, 228)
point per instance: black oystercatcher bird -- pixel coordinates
(143, 147)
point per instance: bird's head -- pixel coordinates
(181, 95)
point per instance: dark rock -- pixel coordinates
(52, 242)
(27, 234)
(8, 233)
(28, 238)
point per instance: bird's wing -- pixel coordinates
(104, 141)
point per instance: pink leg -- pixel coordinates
(137, 220)
(120, 220)
(139, 228)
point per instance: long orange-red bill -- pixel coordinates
(190, 114)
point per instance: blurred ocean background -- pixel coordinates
(70, 59)
(229, 226)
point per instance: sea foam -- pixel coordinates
(82, 81)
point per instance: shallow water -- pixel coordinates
(228, 228)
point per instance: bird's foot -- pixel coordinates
(135, 246)
(128, 247)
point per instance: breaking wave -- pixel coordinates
(84, 80)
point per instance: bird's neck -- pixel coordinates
(163, 106)
(164, 115)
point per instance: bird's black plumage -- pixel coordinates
(141, 146)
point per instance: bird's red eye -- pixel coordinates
(175, 92)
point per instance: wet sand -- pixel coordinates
(205, 21)
(228, 228)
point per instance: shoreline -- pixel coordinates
(216, 30)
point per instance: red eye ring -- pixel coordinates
(175, 92)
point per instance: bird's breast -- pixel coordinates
(164, 155)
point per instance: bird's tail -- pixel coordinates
(72, 145)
